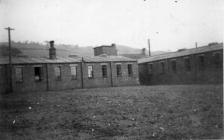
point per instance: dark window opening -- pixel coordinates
(201, 62)
(57, 71)
(90, 72)
(19, 74)
(162, 67)
(130, 70)
(187, 64)
(174, 66)
(104, 71)
(150, 68)
(118, 67)
(37, 74)
(217, 60)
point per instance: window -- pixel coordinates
(217, 60)
(130, 70)
(187, 64)
(118, 67)
(104, 71)
(174, 66)
(37, 73)
(57, 71)
(73, 69)
(19, 74)
(162, 67)
(150, 67)
(201, 62)
(90, 71)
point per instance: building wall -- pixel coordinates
(66, 81)
(97, 80)
(50, 82)
(125, 79)
(4, 86)
(28, 83)
(209, 75)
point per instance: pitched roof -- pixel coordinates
(186, 52)
(45, 60)
(108, 59)
(134, 56)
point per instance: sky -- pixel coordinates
(169, 24)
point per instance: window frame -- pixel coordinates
(104, 70)
(22, 75)
(118, 70)
(201, 65)
(130, 70)
(73, 67)
(41, 73)
(91, 74)
(217, 63)
(58, 78)
(150, 68)
(187, 64)
(162, 64)
(174, 69)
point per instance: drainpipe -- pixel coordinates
(81, 66)
(111, 75)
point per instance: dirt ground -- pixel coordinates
(121, 113)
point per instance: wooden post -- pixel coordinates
(10, 60)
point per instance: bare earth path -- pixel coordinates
(121, 113)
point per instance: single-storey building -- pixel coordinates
(186, 66)
(57, 73)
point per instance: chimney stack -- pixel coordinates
(143, 51)
(52, 50)
(149, 47)
(196, 44)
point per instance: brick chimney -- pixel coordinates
(52, 50)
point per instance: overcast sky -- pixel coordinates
(170, 25)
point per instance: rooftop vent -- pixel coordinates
(180, 50)
(213, 43)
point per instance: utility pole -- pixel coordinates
(10, 59)
(149, 47)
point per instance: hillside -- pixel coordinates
(63, 50)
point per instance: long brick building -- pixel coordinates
(187, 66)
(57, 73)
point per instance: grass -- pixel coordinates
(121, 113)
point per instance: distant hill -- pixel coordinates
(34, 49)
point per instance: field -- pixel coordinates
(121, 113)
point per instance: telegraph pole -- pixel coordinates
(10, 59)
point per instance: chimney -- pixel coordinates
(196, 45)
(149, 47)
(143, 51)
(114, 48)
(52, 50)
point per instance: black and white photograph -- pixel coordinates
(111, 69)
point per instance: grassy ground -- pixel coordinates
(122, 113)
